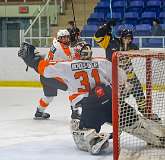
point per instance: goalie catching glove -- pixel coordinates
(25, 50)
(27, 53)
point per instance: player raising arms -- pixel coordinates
(60, 50)
(105, 39)
(89, 83)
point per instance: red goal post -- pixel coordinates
(149, 67)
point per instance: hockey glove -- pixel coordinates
(27, 53)
(26, 49)
(101, 94)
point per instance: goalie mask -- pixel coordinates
(83, 50)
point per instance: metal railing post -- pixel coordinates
(31, 25)
(163, 43)
(62, 5)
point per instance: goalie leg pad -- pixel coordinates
(87, 139)
(148, 130)
(81, 136)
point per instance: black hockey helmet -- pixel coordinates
(126, 33)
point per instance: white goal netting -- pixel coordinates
(139, 110)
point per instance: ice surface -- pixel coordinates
(22, 138)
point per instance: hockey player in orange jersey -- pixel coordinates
(60, 50)
(89, 83)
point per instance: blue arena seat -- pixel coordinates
(143, 30)
(118, 6)
(153, 3)
(91, 27)
(163, 26)
(153, 6)
(88, 30)
(147, 17)
(163, 4)
(135, 12)
(153, 43)
(112, 1)
(131, 18)
(136, 6)
(96, 18)
(104, 0)
(115, 15)
(162, 17)
(102, 7)
(138, 0)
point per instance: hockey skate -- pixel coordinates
(152, 116)
(156, 118)
(41, 115)
(162, 143)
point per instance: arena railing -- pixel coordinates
(141, 41)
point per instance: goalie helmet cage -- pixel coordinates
(149, 68)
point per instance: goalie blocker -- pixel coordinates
(27, 53)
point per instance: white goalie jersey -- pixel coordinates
(79, 75)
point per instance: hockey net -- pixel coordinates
(145, 70)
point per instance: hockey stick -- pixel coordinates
(74, 19)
